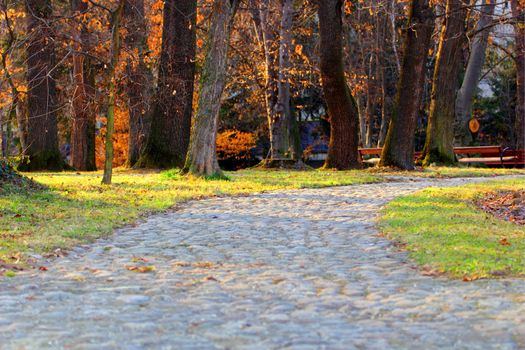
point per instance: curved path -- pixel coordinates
(285, 270)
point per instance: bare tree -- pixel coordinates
(202, 157)
(171, 120)
(478, 47)
(42, 132)
(399, 145)
(139, 87)
(518, 12)
(116, 17)
(83, 126)
(342, 108)
(439, 143)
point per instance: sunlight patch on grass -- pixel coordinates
(445, 233)
(76, 208)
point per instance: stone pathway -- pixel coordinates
(285, 270)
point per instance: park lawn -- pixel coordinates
(445, 233)
(449, 172)
(75, 208)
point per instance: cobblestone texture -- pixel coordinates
(284, 270)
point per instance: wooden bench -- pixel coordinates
(488, 155)
(376, 152)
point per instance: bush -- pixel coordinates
(235, 149)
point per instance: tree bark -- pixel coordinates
(398, 150)
(83, 128)
(42, 134)
(281, 121)
(202, 156)
(472, 74)
(518, 12)
(171, 120)
(439, 143)
(139, 87)
(116, 18)
(342, 108)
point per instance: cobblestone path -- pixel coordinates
(285, 270)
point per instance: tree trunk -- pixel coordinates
(280, 134)
(42, 134)
(139, 88)
(360, 100)
(398, 150)
(342, 108)
(116, 17)
(439, 143)
(281, 121)
(472, 74)
(83, 129)
(518, 12)
(171, 120)
(202, 157)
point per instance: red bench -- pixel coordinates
(488, 155)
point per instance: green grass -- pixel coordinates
(446, 234)
(449, 172)
(76, 208)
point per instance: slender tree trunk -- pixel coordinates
(342, 108)
(360, 100)
(439, 143)
(171, 120)
(281, 121)
(83, 130)
(261, 18)
(472, 74)
(21, 120)
(398, 150)
(139, 88)
(116, 18)
(42, 133)
(518, 12)
(281, 115)
(202, 156)
(371, 102)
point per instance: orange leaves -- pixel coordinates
(234, 144)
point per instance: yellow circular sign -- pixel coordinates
(474, 125)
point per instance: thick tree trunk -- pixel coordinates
(42, 138)
(398, 150)
(140, 79)
(202, 156)
(112, 93)
(518, 12)
(439, 143)
(342, 108)
(83, 129)
(472, 74)
(171, 119)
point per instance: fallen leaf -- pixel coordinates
(504, 242)
(141, 269)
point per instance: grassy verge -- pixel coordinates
(448, 172)
(445, 233)
(74, 208)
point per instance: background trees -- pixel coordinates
(56, 78)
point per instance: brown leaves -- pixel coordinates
(504, 242)
(141, 269)
(507, 205)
